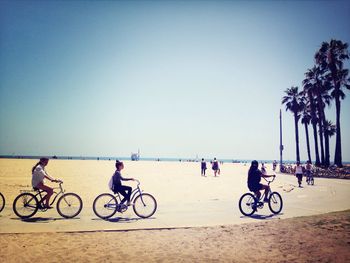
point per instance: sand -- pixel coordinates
(197, 219)
(323, 238)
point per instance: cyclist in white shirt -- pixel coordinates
(38, 176)
(299, 172)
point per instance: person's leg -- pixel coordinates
(267, 190)
(49, 192)
(125, 191)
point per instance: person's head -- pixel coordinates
(298, 163)
(44, 161)
(254, 164)
(119, 165)
(202, 159)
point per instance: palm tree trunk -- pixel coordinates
(296, 136)
(326, 142)
(338, 154)
(307, 142)
(317, 155)
(314, 126)
(321, 140)
(319, 110)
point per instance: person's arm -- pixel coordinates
(47, 176)
(267, 175)
(126, 179)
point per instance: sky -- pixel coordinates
(176, 79)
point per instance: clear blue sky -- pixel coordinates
(171, 78)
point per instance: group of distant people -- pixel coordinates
(214, 165)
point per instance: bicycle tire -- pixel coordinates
(275, 202)
(246, 204)
(2, 202)
(105, 205)
(145, 205)
(312, 181)
(69, 205)
(25, 205)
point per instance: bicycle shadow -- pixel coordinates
(43, 219)
(262, 217)
(123, 219)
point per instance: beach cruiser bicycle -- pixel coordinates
(106, 205)
(28, 203)
(2, 202)
(249, 203)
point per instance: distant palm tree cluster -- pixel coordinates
(324, 82)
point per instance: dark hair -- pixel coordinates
(41, 161)
(118, 163)
(253, 167)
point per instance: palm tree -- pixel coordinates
(323, 99)
(330, 128)
(330, 57)
(306, 119)
(309, 84)
(294, 104)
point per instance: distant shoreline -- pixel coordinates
(165, 159)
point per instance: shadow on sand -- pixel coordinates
(262, 217)
(43, 219)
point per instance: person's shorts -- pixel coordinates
(299, 176)
(256, 187)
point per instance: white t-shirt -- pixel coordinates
(298, 169)
(38, 175)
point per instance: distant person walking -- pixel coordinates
(274, 165)
(299, 172)
(215, 167)
(203, 167)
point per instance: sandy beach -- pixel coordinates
(197, 219)
(323, 238)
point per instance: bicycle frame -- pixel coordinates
(40, 192)
(135, 192)
(270, 191)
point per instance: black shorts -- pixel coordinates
(255, 187)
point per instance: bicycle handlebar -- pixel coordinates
(138, 182)
(270, 181)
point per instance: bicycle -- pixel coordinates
(310, 179)
(249, 203)
(2, 202)
(27, 204)
(106, 205)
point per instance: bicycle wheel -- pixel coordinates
(145, 205)
(275, 203)
(105, 205)
(247, 204)
(69, 205)
(25, 205)
(2, 202)
(312, 181)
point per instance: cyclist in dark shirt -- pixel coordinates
(124, 190)
(254, 177)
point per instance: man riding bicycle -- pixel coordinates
(254, 177)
